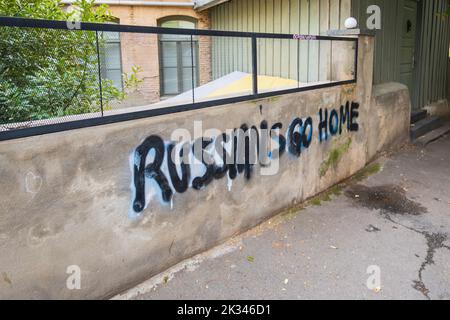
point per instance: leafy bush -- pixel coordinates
(48, 73)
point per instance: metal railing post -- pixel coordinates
(298, 63)
(331, 61)
(99, 73)
(192, 69)
(255, 65)
(356, 59)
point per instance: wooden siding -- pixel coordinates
(434, 40)
(432, 47)
(284, 58)
(387, 49)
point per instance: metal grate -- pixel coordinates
(55, 78)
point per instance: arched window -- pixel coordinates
(178, 66)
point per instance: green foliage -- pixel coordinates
(334, 157)
(50, 73)
(366, 172)
(133, 81)
(326, 196)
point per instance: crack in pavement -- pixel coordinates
(392, 200)
(434, 241)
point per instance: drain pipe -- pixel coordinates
(139, 3)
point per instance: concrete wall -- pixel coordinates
(67, 198)
(390, 117)
(142, 49)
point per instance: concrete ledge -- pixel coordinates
(390, 88)
(350, 32)
(391, 107)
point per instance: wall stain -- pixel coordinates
(6, 278)
(334, 157)
(347, 91)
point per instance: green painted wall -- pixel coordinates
(432, 57)
(429, 80)
(387, 51)
(277, 57)
(432, 34)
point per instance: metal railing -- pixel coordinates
(89, 98)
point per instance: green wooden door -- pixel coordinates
(395, 43)
(408, 44)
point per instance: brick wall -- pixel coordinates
(142, 49)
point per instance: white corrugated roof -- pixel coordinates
(206, 4)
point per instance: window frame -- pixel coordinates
(179, 67)
(103, 71)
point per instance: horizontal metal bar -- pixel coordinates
(108, 119)
(138, 3)
(109, 27)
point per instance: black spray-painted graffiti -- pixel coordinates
(228, 154)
